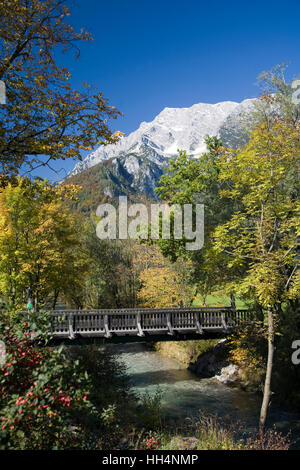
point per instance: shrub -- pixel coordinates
(64, 398)
(150, 410)
(269, 440)
(211, 433)
(248, 350)
(42, 395)
(109, 380)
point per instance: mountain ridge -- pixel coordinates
(171, 129)
(135, 164)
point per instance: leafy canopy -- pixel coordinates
(263, 234)
(44, 118)
(38, 242)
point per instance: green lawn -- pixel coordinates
(218, 300)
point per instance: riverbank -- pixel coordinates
(186, 399)
(183, 394)
(205, 358)
(211, 359)
(185, 352)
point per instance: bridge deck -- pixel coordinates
(141, 321)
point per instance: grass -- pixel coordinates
(216, 299)
(208, 432)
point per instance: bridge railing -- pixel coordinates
(71, 323)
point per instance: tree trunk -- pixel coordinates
(232, 301)
(55, 297)
(267, 388)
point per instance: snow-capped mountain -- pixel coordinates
(135, 164)
(172, 129)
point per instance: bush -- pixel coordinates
(66, 398)
(269, 440)
(42, 395)
(110, 392)
(150, 410)
(59, 398)
(248, 350)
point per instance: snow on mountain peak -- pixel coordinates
(171, 129)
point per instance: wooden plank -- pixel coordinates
(137, 321)
(224, 324)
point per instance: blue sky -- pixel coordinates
(147, 55)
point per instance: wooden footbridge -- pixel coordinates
(145, 323)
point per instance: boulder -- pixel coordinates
(212, 362)
(183, 443)
(229, 374)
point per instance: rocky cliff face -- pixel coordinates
(137, 161)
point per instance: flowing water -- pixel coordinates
(185, 395)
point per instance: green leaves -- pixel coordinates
(41, 393)
(263, 233)
(198, 180)
(38, 242)
(251, 198)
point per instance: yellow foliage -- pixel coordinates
(247, 349)
(39, 242)
(163, 285)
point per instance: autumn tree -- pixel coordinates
(163, 284)
(191, 181)
(262, 236)
(251, 198)
(44, 118)
(276, 100)
(40, 245)
(110, 282)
